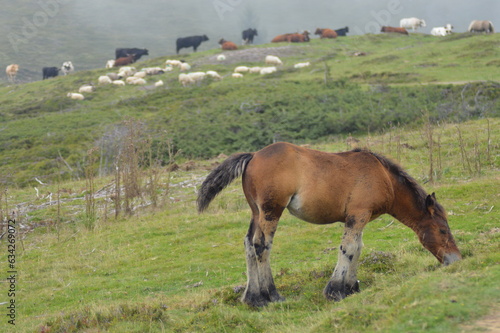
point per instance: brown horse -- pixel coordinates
(353, 187)
(481, 26)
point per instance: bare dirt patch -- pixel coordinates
(490, 323)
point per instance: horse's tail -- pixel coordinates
(221, 177)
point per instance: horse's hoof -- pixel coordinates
(254, 300)
(277, 298)
(334, 292)
(353, 289)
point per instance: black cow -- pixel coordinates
(194, 41)
(248, 35)
(124, 52)
(50, 72)
(342, 32)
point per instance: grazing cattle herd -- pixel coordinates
(128, 56)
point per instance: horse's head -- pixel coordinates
(435, 234)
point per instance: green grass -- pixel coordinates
(172, 270)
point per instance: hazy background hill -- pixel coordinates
(49, 32)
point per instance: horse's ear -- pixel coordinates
(430, 203)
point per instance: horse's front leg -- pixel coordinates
(344, 281)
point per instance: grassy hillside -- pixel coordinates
(338, 94)
(171, 270)
(161, 267)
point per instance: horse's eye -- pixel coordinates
(444, 232)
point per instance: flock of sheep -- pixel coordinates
(130, 75)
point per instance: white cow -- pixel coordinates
(67, 67)
(442, 31)
(412, 23)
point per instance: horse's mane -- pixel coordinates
(401, 175)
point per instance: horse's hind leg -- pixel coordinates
(260, 288)
(252, 295)
(344, 281)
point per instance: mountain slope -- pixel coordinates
(338, 94)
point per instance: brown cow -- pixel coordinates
(326, 33)
(292, 38)
(281, 38)
(299, 38)
(11, 71)
(123, 61)
(393, 29)
(227, 45)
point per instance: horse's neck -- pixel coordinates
(406, 208)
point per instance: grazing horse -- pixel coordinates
(353, 187)
(11, 71)
(481, 26)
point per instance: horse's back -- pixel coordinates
(316, 186)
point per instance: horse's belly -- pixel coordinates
(313, 212)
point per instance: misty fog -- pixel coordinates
(87, 32)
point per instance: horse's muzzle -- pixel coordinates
(451, 258)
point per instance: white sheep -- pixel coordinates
(104, 79)
(273, 60)
(268, 70)
(141, 75)
(185, 79)
(241, 69)
(114, 76)
(185, 67)
(168, 68)
(221, 57)
(118, 82)
(197, 76)
(302, 64)
(153, 70)
(237, 75)
(139, 81)
(173, 63)
(86, 88)
(110, 63)
(159, 83)
(130, 79)
(214, 75)
(135, 80)
(76, 96)
(127, 71)
(255, 70)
